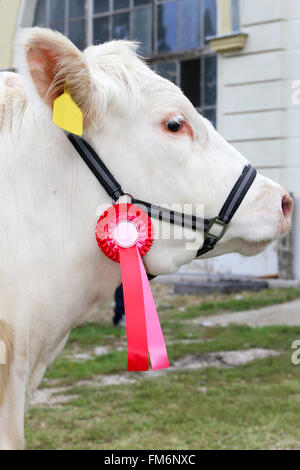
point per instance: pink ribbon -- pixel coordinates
(156, 343)
(142, 323)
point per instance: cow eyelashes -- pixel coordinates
(175, 123)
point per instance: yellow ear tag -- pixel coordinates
(67, 114)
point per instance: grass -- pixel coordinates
(254, 406)
(93, 334)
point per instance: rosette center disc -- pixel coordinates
(125, 234)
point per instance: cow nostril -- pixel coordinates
(287, 205)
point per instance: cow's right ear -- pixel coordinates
(48, 61)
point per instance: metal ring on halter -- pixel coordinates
(124, 194)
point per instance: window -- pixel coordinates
(160, 25)
(173, 36)
(123, 19)
(65, 16)
(197, 79)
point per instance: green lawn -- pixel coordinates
(256, 405)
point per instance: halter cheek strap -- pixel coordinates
(228, 210)
(214, 228)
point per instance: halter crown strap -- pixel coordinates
(96, 165)
(214, 228)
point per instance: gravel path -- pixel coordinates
(282, 314)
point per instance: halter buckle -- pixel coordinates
(125, 197)
(216, 236)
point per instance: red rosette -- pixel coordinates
(107, 227)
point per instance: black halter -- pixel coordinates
(214, 228)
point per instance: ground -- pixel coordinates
(231, 386)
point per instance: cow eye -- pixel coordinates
(175, 124)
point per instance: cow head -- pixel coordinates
(154, 142)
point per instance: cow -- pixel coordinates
(52, 274)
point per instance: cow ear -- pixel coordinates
(50, 62)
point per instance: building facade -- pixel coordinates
(237, 60)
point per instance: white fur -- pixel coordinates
(52, 273)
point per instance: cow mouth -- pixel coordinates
(252, 248)
(261, 245)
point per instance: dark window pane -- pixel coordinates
(40, 12)
(100, 30)
(210, 18)
(76, 9)
(210, 81)
(60, 27)
(77, 33)
(119, 4)
(210, 114)
(167, 70)
(121, 26)
(137, 3)
(100, 6)
(142, 28)
(190, 30)
(235, 15)
(57, 10)
(167, 27)
(190, 80)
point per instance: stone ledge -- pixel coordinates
(200, 283)
(225, 286)
(228, 43)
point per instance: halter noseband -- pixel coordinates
(220, 222)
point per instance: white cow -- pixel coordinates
(52, 273)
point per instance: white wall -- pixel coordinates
(8, 20)
(296, 240)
